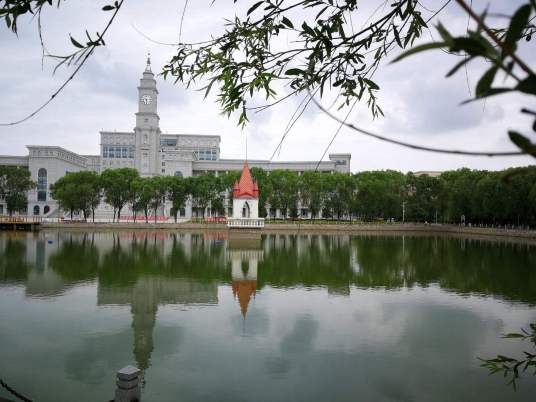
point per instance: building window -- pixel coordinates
(1, 210)
(105, 152)
(46, 210)
(36, 210)
(178, 173)
(206, 154)
(163, 170)
(168, 142)
(42, 185)
(163, 163)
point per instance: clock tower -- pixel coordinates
(147, 130)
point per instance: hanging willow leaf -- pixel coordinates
(420, 48)
(517, 25)
(522, 142)
(484, 84)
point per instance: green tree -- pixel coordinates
(177, 193)
(285, 191)
(341, 190)
(159, 189)
(422, 198)
(15, 182)
(380, 194)
(140, 195)
(262, 178)
(117, 186)
(203, 189)
(313, 191)
(78, 191)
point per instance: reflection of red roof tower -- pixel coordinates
(244, 289)
(246, 187)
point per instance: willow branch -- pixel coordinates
(414, 146)
(494, 37)
(71, 77)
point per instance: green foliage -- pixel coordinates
(140, 196)
(117, 186)
(511, 367)
(78, 191)
(204, 189)
(177, 193)
(15, 181)
(159, 188)
(285, 191)
(379, 194)
(480, 197)
(497, 47)
(264, 183)
(321, 51)
(313, 192)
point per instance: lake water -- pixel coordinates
(292, 318)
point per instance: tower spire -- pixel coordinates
(148, 68)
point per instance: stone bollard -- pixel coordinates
(128, 385)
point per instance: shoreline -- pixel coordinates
(409, 228)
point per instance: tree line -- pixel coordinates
(464, 195)
(124, 187)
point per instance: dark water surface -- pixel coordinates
(299, 318)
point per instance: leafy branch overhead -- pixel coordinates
(321, 50)
(12, 10)
(498, 47)
(510, 367)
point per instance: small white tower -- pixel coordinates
(245, 202)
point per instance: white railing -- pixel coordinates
(20, 219)
(245, 222)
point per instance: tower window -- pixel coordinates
(42, 185)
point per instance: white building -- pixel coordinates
(245, 202)
(146, 149)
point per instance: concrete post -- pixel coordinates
(128, 385)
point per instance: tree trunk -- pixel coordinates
(155, 211)
(146, 215)
(118, 214)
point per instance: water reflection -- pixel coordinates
(53, 262)
(151, 272)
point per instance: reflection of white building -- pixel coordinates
(244, 265)
(145, 149)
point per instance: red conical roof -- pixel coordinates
(246, 187)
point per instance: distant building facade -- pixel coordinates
(147, 150)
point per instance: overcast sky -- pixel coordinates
(420, 105)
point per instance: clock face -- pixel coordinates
(146, 99)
